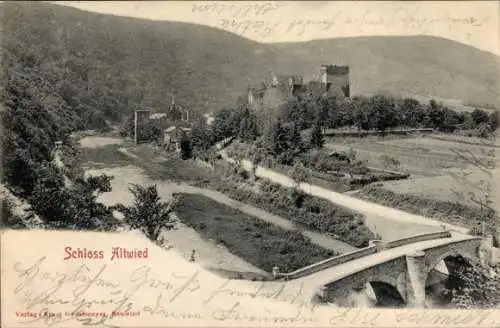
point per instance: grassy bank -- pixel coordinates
(446, 211)
(312, 212)
(257, 242)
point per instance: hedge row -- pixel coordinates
(313, 212)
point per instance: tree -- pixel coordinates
(468, 122)
(9, 219)
(293, 137)
(411, 112)
(221, 128)
(317, 138)
(186, 148)
(274, 139)
(148, 213)
(484, 130)
(476, 287)
(100, 184)
(493, 120)
(435, 113)
(300, 173)
(450, 120)
(201, 138)
(480, 116)
(382, 113)
(248, 126)
(360, 106)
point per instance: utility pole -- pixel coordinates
(484, 220)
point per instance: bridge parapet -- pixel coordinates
(418, 238)
(380, 245)
(328, 263)
(374, 247)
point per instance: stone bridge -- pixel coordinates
(404, 268)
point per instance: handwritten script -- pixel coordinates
(91, 297)
(264, 19)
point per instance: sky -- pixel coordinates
(475, 23)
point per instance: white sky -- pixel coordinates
(475, 23)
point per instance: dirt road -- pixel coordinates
(370, 210)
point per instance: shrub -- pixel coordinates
(9, 219)
(148, 213)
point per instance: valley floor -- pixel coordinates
(183, 238)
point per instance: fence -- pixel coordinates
(375, 133)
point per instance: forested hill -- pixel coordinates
(407, 65)
(111, 64)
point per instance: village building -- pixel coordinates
(173, 136)
(176, 112)
(209, 118)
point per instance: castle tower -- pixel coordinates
(335, 79)
(250, 97)
(294, 85)
(275, 81)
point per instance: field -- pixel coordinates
(248, 237)
(418, 156)
(442, 176)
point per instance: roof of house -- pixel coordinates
(170, 129)
(174, 127)
(156, 116)
(336, 70)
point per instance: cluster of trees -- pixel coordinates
(51, 90)
(381, 112)
(281, 135)
(279, 138)
(39, 110)
(473, 286)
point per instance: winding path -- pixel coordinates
(166, 189)
(359, 205)
(316, 238)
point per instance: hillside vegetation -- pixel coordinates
(116, 64)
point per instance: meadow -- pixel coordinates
(248, 237)
(445, 181)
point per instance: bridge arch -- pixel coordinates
(387, 294)
(468, 249)
(391, 273)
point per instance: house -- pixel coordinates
(158, 116)
(173, 136)
(177, 113)
(209, 117)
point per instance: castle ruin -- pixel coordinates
(333, 81)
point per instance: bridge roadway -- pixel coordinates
(306, 287)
